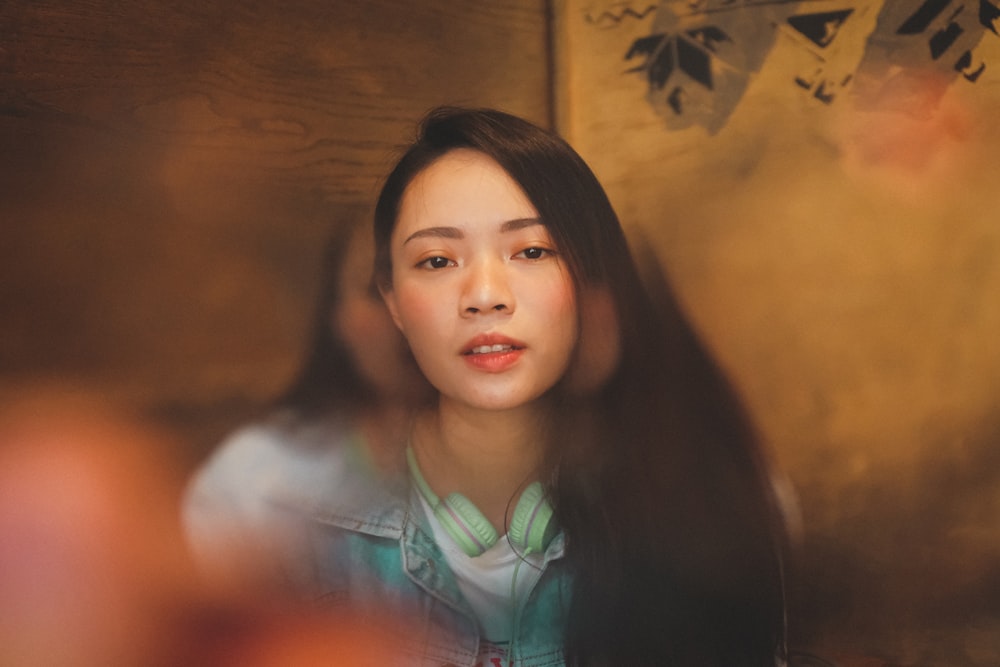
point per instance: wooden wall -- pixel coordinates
(169, 171)
(819, 179)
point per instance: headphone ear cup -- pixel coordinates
(532, 528)
(471, 530)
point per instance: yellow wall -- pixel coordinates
(843, 260)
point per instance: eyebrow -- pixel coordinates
(456, 233)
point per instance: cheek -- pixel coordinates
(553, 305)
(559, 299)
(417, 310)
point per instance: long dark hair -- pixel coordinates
(327, 378)
(673, 534)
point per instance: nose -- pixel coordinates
(487, 289)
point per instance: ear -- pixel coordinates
(389, 297)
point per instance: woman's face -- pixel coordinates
(478, 287)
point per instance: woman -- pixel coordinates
(352, 394)
(489, 234)
(583, 490)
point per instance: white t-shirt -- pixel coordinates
(495, 583)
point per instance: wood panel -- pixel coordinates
(170, 170)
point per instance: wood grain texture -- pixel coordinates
(169, 171)
(313, 91)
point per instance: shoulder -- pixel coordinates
(262, 467)
(273, 457)
(253, 496)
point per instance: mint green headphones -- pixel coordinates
(531, 526)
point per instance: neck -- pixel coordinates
(486, 455)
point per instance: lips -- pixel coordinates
(492, 353)
(486, 349)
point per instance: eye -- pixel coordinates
(535, 253)
(436, 262)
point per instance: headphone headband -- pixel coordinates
(531, 527)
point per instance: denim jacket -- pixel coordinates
(303, 501)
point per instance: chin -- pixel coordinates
(500, 400)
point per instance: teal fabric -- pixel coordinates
(336, 532)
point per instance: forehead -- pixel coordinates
(462, 188)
